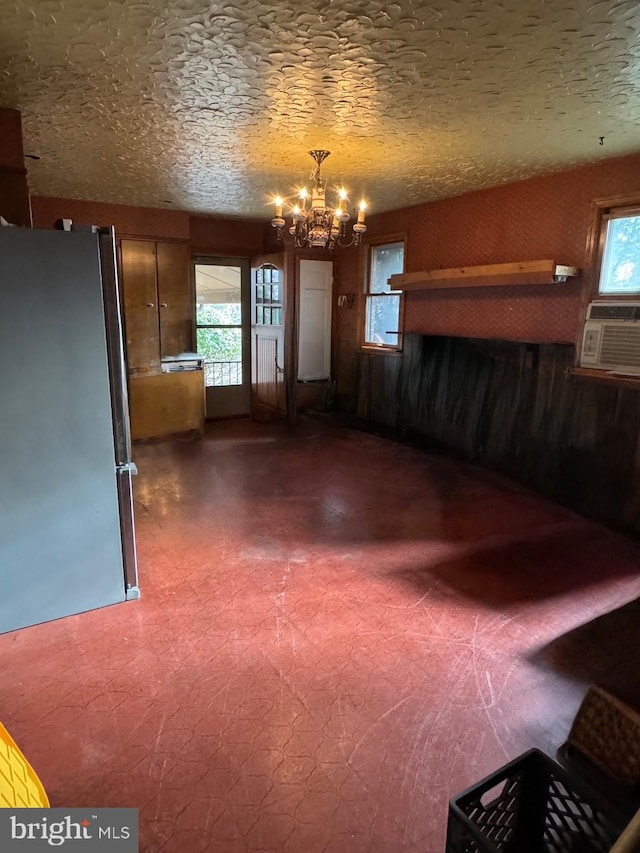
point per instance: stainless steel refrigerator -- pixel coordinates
(67, 533)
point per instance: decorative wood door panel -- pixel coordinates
(266, 385)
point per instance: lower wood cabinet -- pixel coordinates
(163, 404)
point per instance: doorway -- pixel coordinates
(222, 297)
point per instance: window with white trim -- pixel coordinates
(620, 265)
(382, 309)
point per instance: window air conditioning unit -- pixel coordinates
(611, 339)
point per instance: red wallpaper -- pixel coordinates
(548, 314)
(11, 154)
(234, 237)
(547, 217)
(206, 234)
(129, 221)
(543, 217)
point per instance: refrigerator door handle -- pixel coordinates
(125, 468)
(114, 327)
(124, 473)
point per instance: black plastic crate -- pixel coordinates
(532, 805)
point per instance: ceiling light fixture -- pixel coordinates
(313, 223)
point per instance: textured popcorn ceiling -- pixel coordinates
(213, 105)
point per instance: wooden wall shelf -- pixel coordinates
(489, 275)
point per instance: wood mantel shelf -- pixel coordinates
(489, 275)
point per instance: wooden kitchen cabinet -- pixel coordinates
(176, 310)
(157, 302)
(167, 404)
(140, 290)
(158, 318)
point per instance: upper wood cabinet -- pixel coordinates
(157, 302)
(139, 285)
(176, 310)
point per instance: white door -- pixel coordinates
(314, 321)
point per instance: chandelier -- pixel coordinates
(313, 223)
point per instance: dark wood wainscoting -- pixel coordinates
(516, 408)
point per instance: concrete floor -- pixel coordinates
(337, 633)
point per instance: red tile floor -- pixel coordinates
(337, 633)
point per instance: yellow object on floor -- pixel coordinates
(20, 788)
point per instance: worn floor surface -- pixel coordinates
(337, 634)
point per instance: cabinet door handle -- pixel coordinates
(163, 304)
(149, 304)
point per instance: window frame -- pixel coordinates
(367, 346)
(604, 211)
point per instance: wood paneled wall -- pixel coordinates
(11, 150)
(14, 190)
(514, 407)
(214, 235)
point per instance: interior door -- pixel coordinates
(268, 305)
(223, 333)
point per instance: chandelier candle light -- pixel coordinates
(317, 225)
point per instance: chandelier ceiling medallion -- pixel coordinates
(313, 223)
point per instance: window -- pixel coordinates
(382, 316)
(620, 267)
(268, 296)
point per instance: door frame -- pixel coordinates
(299, 392)
(245, 300)
(299, 261)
